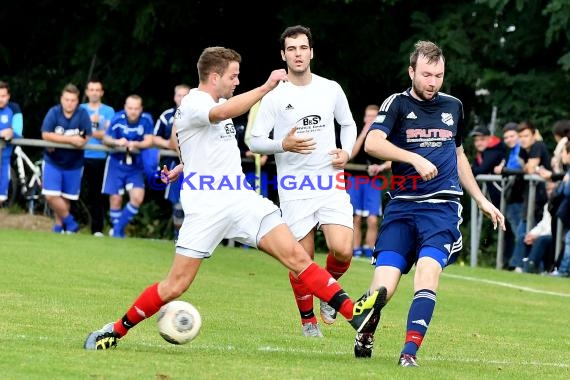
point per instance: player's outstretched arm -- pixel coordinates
(472, 187)
(240, 104)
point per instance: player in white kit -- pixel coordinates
(302, 113)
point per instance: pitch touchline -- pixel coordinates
(507, 285)
(344, 353)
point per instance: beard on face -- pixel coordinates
(420, 93)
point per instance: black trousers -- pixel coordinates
(92, 183)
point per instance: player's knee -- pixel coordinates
(427, 274)
(343, 252)
(298, 258)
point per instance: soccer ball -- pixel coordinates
(179, 322)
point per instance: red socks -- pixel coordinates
(336, 268)
(145, 306)
(320, 283)
(304, 299)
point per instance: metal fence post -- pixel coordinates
(559, 238)
(530, 204)
(501, 234)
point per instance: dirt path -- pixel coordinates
(25, 221)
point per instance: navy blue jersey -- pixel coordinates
(433, 129)
(10, 117)
(121, 127)
(163, 128)
(7, 115)
(78, 124)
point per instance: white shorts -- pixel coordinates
(302, 215)
(241, 215)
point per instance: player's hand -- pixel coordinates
(276, 77)
(492, 213)
(425, 168)
(340, 158)
(296, 144)
(168, 176)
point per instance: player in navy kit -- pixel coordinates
(420, 131)
(132, 130)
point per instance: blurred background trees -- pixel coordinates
(511, 56)
(516, 53)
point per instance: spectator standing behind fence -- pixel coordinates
(514, 186)
(100, 115)
(124, 170)
(534, 155)
(366, 198)
(563, 213)
(538, 240)
(301, 113)
(560, 131)
(11, 125)
(65, 123)
(162, 132)
(490, 152)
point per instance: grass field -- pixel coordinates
(54, 289)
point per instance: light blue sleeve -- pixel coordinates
(18, 124)
(108, 114)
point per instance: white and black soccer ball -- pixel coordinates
(179, 322)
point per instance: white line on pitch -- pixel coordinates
(507, 285)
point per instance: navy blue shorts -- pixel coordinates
(120, 177)
(61, 182)
(409, 226)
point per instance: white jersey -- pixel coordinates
(209, 151)
(313, 109)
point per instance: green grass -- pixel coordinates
(54, 289)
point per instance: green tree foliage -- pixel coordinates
(148, 46)
(516, 50)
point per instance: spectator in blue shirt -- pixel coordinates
(514, 187)
(100, 115)
(162, 132)
(132, 130)
(65, 123)
(11, 125)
